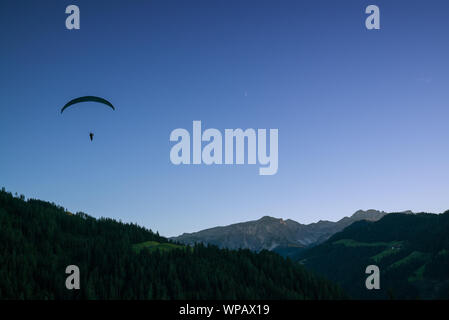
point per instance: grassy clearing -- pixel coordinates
(415, 255)
(154, 245)
(353, 243)
(387, 252)
(418, 274)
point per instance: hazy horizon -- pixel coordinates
(236, 222)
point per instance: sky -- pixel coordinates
(362, 114)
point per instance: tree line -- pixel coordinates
(40, 239)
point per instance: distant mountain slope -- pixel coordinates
(124, 261)
(412, 252)
(284, 236)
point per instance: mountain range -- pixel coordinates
(124, 261)
(410, 250)
(283, 236)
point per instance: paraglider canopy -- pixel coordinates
(87, 99)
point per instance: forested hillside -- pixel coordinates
(411, 250)
(125, 261)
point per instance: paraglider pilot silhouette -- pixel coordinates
(87, 99)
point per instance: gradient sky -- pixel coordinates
(362, 115)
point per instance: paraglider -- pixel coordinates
(88, 99)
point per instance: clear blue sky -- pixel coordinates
(362, 115)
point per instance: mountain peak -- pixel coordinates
(361, 211)
(370, 214)
(268, 218)
(270, 232)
